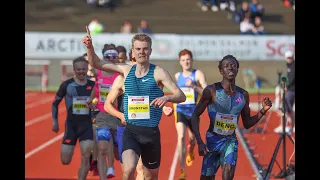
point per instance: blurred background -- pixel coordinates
(256, 32)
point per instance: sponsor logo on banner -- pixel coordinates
(276, 48)
(164, 46)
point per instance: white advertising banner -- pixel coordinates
(164, 46)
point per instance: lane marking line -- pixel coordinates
(174, 164)
(44, 145)
(249, 155)
(41, 118)
(38, 103)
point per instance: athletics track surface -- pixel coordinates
(42, 158)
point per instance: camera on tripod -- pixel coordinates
(290, 172)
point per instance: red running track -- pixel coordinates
(42, 158)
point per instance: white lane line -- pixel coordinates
(174, 164)
(44, 145)
(41, 118)
(30, 94)
(38, 103)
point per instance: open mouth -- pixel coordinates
(230, 73)
(81, 75)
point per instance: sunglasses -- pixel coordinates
(111, 57)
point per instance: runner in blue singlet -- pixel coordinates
(225, 102)
(191, 82)
(143, 102)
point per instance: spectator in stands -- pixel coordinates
(126, 27)
(238, 16)
(144, 27)
(245, 26)
(92, 3)
(258, 28)
(256, 9)
(212, 4)
(289, 3)
(122, 54)
(95, 27)
(232, 5)
(107, 4)
(224, 4)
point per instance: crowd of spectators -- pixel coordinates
(250, 17)
(142, 28)
(249, 14)
(97, 27)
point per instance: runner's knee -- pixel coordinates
(102, 148)
(86, 148)
(128, 170)
(181, 135)
(66, 159)
(150, 174)
(66, 154)
(228, 172)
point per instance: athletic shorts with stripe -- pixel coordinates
(222, 150)
(77, 129)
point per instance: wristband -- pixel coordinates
(261, 111)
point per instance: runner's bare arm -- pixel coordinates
(93, 93)
(107, 66)
(201, 80)
(115, 91)
(164, 77)
(58, 98)
(95, 61)
(206, 98)
(247, 120)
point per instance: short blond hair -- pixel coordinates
(141, 37)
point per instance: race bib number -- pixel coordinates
(138, 107)
(79, 105)
(104, 90)
(189, 93)
(225, 124)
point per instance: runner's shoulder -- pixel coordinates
(209, 90)
(90, 82)
(65, 83)
(242, 91)
(211, 87)
(177, 75)
(160, 71)
(198, 72)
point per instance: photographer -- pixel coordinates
(289, 92)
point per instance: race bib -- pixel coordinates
(138, 107)
(225, 124)
(189, 93)
(79, 105)
(104, 90)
